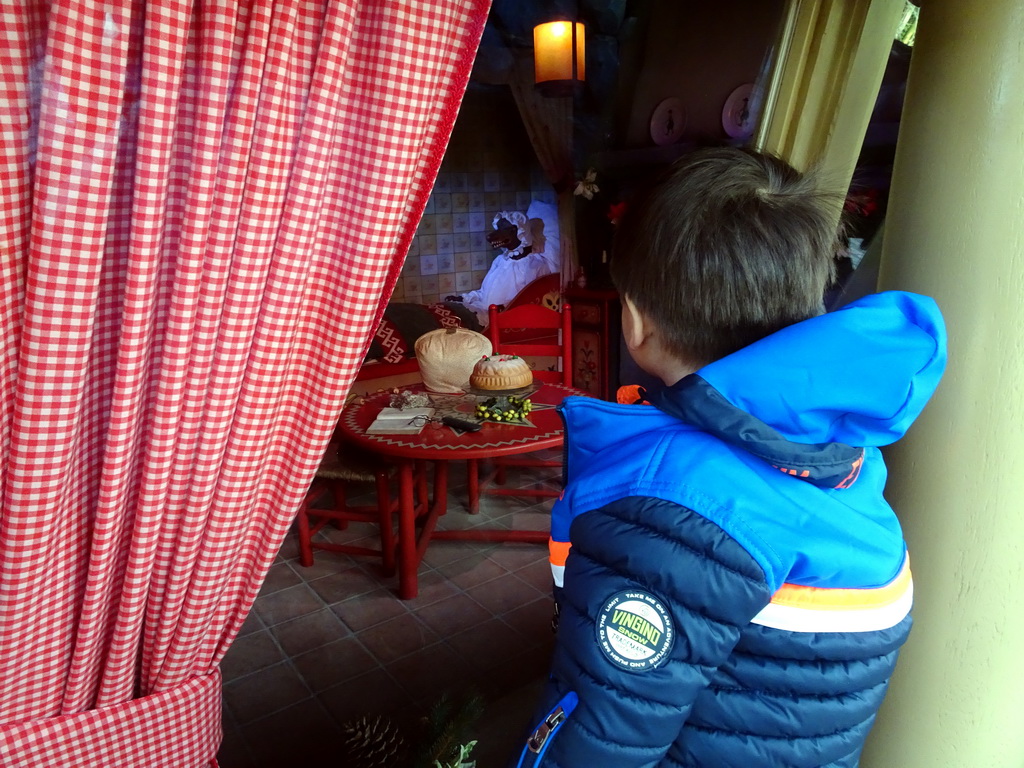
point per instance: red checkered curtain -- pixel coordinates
(204, 207)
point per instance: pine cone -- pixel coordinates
(372, 742)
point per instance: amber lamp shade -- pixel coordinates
(559, 57)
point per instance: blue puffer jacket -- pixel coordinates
(737, 588)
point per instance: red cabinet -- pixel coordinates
(596, 315)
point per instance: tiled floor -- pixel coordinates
(329, 643)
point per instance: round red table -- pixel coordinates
(440, 444)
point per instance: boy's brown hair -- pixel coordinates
(729, 246)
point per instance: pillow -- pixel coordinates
(447, 357)
(546, 238)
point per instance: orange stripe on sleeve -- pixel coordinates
(821, 599)
(558, 551)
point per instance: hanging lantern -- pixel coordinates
(559, 57)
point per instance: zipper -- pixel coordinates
(565, 444)
(539, 741)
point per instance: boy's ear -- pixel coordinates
(635, 327)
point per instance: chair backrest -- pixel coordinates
(531, 330)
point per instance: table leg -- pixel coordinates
(440, 488)
(434, 510)
(412, 488)
(408, 563)
(473, 485)
(421, 485)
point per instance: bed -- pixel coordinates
(391, 358)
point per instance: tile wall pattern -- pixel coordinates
(489, 167)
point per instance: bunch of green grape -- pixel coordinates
(504, 409)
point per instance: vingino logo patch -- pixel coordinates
(634, 630)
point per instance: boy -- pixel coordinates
(737, 588)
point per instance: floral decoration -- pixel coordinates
(587, 187)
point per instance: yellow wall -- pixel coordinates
(832, 56)
(955, 230)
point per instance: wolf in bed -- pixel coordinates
(530, 249)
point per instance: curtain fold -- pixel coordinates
(549, 125)
(204, 210)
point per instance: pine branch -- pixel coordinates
(447, 727)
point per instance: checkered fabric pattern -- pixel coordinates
(203, 211)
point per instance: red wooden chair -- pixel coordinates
(529, 330)
(340, 467)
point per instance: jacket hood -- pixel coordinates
(809, 398)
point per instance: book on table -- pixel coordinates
(400, 421)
